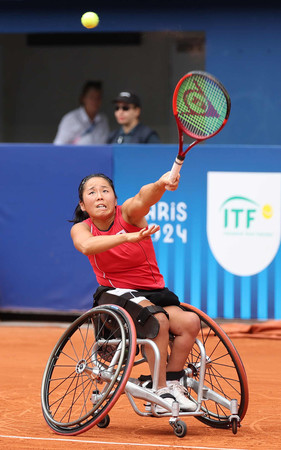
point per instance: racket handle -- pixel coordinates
(176, 169)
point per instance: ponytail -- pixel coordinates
(79, 215)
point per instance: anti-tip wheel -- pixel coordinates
(234, 425)
(104, 422)
(180, 428)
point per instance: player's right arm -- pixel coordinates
(88, 244)
(136, 208)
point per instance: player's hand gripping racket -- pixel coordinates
(201, 106)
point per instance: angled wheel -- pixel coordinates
(225, 373)
(88, 370)
(234, 425)
(180, 429)
(104, 422)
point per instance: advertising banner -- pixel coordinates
(243, 219)
(219, 243)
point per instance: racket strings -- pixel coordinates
(202, 105)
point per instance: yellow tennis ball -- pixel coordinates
(90, 19)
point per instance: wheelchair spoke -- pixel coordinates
(224, 376)
(86, 374)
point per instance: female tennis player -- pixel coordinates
(117, 240)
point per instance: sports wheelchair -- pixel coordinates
(92, 363)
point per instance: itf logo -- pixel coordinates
(243, 219)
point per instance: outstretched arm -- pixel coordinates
(88, 244)
(135, 209)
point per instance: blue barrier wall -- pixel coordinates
(40, 269)
(184, 255)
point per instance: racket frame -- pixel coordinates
(182, 130)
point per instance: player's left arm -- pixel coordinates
(136, 208)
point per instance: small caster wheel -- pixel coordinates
(104, 422)
(234, 426)
(180, 429)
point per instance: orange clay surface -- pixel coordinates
(25, 351)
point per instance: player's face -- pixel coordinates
(99, 200)
(126, 114)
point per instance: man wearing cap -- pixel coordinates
(127, 114)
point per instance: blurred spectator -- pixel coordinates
(85, 125)
(127, 114)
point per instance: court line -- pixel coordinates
(80, 441)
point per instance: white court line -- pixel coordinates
(119, 443)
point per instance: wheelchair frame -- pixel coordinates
(90, 367)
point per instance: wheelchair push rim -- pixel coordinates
(225, 374)
(88, 370)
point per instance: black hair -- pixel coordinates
(97, 85)
(80, 215)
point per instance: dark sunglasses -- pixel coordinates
(124, 108)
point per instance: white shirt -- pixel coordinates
(76, 128)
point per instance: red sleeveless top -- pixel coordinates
(129, 265)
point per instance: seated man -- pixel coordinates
(85, 125)
(127, 114)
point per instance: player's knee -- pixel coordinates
(163, 321)
(192, 323)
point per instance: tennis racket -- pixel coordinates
(201, 106)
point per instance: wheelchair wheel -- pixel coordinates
(225, 373)
(88, 369)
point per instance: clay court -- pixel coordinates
(25, 350)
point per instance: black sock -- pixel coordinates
(171, 376)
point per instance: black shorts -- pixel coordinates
(147, 326)
(160, 297)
